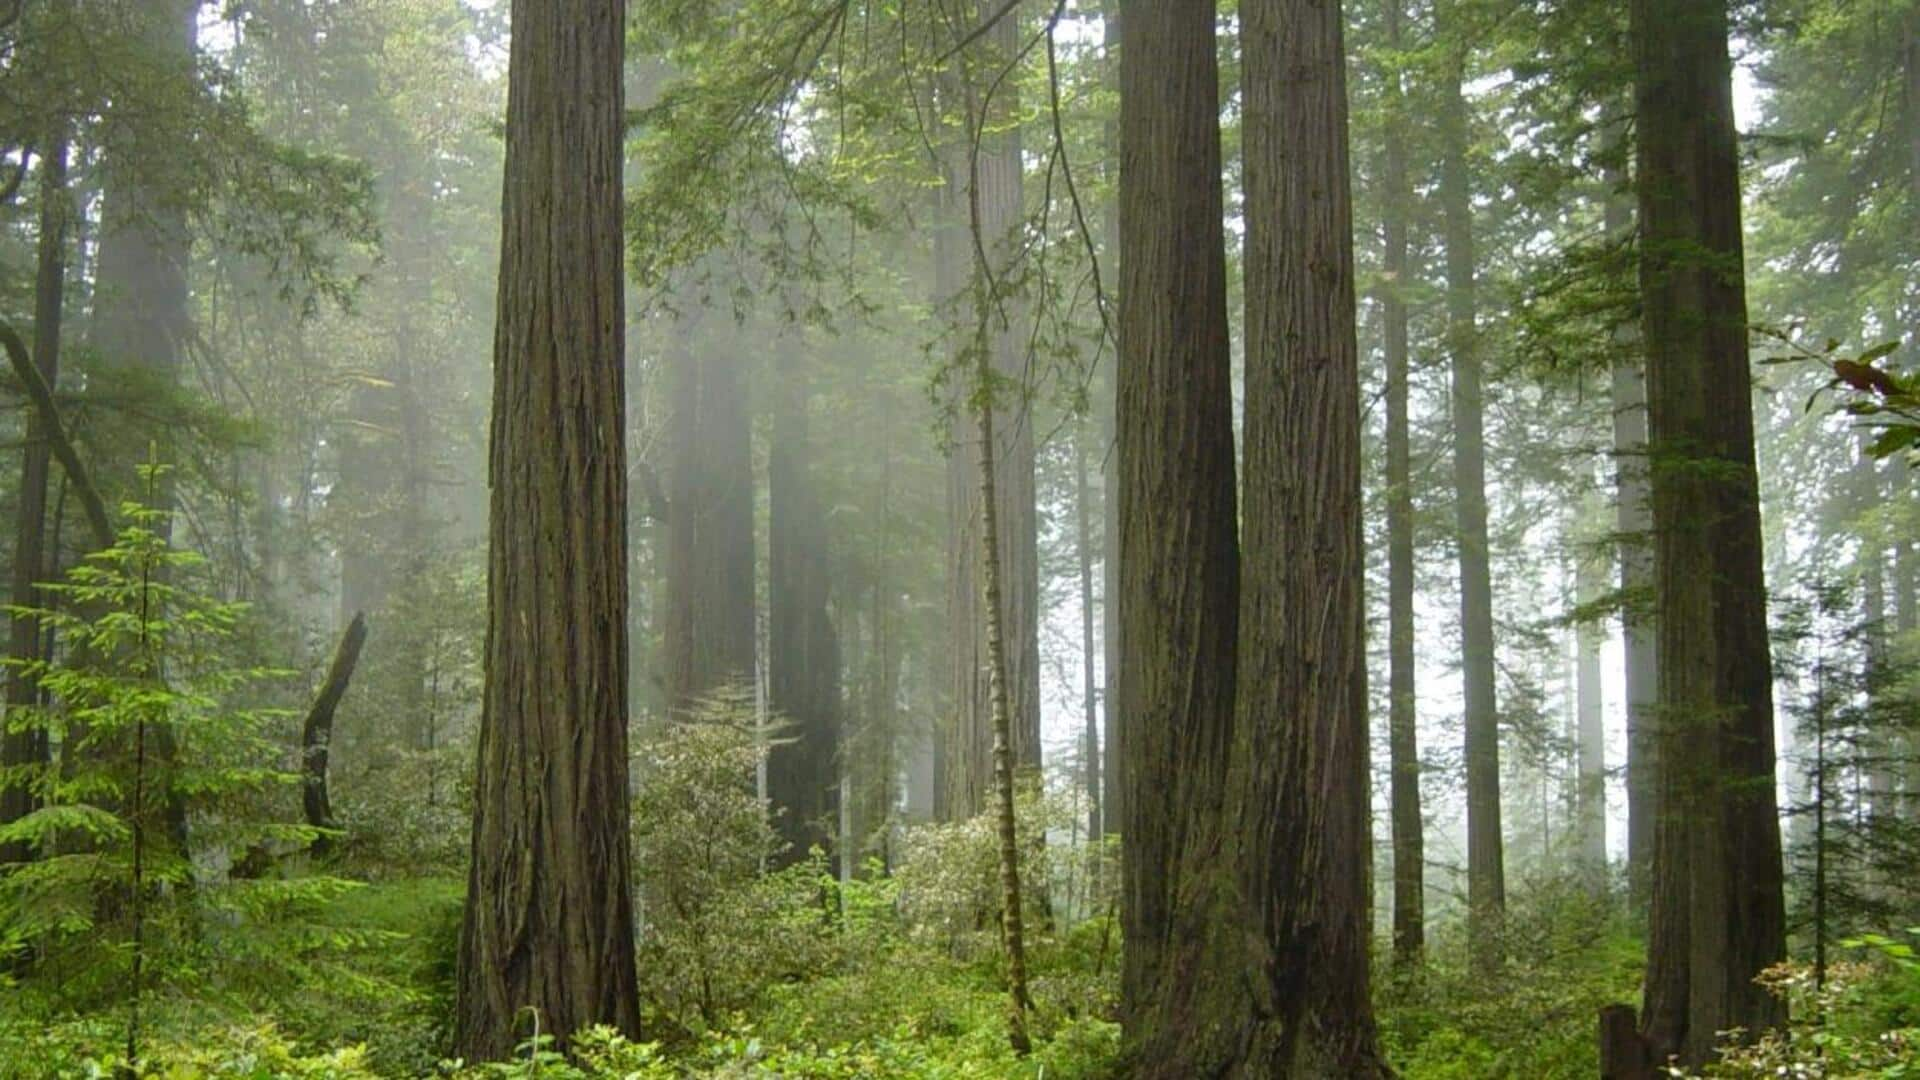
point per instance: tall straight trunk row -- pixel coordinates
(1486, 874)
(1242, 679)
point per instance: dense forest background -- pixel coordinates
(951, 539)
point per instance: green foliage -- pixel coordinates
(1862, 1021)
(153, 729)
(158, 742)
(716, 929)
(1570, 956)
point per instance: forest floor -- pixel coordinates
(363, 989)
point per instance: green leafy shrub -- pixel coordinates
(716, 929)
(1858, 1022)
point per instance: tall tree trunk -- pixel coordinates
(28, 749)
(1089, 694)
(1590, 736)
(1906, 619)
(803, 661)
(1403, 750)
(1302, 798)
(1717, 917)
(549, 911)
(1880, 745)
(990, 182)
(709, 636)
(1633, 523)
(1179, 561)
(1486, 874)
(1113, 790)
(142, 307)
(1012, 929)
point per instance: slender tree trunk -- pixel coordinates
(1089, 695)
(1880, 745)
(28, 749)
(1717, 917)
(1179, 562)
(1906, 619)
(1409, 844)
(709, 636)
(1590, 736)
(1012, 931)
(803, 662)
(1113, 790)
(1633, 523)
(548, 933)
(1302, 798)
(1486, 875)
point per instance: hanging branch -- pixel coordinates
(42, 396)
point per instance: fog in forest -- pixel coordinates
(959, 538)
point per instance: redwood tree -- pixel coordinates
(549, 915)
(1243, 664)
(803, 648)
(1179, 563)
(1717, 916)
(1403, 747)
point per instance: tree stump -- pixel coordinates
(1623, 1053)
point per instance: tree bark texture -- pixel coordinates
(1403, 750)
(1179, 560)
(1300, 788)
(1717, 916)
(549, 916)
(1486, 874)
(803, 662)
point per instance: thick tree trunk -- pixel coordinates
(1717, 916)
(1486, 874)
(1302, 798)
(1179, 561)
(143, 316)
(803, 661)
(549, 915)
(1403, 751)
(989, 171)
(709, 636)
(28, 749)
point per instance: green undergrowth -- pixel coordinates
(890, 1007)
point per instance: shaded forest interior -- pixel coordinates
(960, 538)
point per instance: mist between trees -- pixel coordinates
(812, 538)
